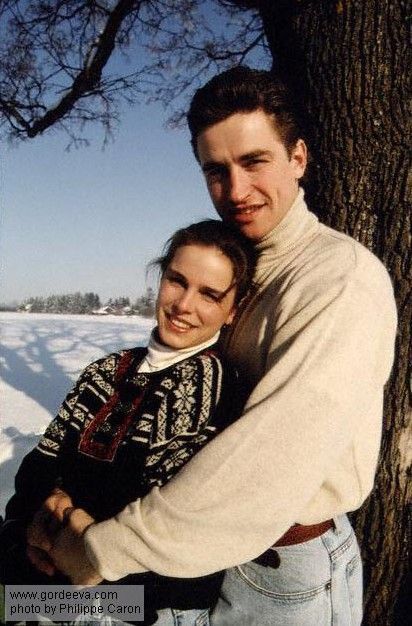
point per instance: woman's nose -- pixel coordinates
(186, 302)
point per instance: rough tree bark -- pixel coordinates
(351, 63)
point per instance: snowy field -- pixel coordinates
(41, 356)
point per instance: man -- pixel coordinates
(315, 343)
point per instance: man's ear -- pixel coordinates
(299, 158)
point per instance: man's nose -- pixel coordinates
(238, 185)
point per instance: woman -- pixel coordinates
(136, 416)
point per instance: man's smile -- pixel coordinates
(246, 210)
(242, 214)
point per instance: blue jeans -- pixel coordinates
(318, 583)
(165, 617)
(175, 617)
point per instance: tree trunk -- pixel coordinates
(351, 62)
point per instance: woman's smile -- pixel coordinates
(179, 324)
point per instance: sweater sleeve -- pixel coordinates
(326, 367)
(40, 470)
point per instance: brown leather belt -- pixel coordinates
(299, 534)
(296, 534)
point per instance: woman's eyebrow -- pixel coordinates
(217, 293)
(170, 270)
(220, 295)
(175, 274)
(212, 291)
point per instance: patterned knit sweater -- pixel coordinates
(120, 432)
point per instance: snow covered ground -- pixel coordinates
(41, 356)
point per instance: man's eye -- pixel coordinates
(254, 163)
(214, 174)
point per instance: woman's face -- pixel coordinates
(195, 297)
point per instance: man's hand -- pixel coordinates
(68, 552)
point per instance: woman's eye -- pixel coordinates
(210, 297)
(175, 280)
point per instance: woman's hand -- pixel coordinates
(41, 560)
(42, 531)
(68, 552)
(48, 520)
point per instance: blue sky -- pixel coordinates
(91, 219)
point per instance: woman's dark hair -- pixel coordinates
(244, 90)
(216, 234)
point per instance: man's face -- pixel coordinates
(250, 176)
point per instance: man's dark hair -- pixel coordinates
(230, 242)
(243, 90)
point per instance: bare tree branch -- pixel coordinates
(62, 62)
(90, 76)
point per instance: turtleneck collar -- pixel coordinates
(160, 356)
(298, 223)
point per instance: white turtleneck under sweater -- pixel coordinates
(159, 356)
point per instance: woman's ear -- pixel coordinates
(230, 317)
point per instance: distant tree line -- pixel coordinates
(88, 303)
(62, 303)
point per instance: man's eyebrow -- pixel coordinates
(256, 153)
(208, 165)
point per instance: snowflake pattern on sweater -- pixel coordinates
(180, 409)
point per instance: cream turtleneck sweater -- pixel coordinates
(316, 344)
